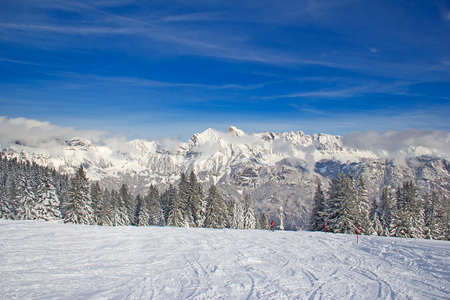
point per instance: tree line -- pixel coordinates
(32, 192)
(346, 206)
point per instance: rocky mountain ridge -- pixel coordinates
(280, 170)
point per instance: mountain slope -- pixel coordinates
(280, 170)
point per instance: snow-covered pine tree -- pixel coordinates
(97, 201)
(5, 207)
(237, 221)
(119, 213)
(78, 205)
(341, 208)
(408, 220)
(185, 200)
(386, 210)
(156, 216)
(376, 224)
(47, 202)
(176, 216)
(444, 214)
(142, 213)
(229, 212)
(127, 204)
(374, 217)
(431, 222)
(62, 185)
(11, 196)
(363, 208)
(264, 223)
(25, 199)
(197, 200)
(166, 205)
(316, 220)
(215, 209)
(415, 209)
(105, 215)
(249, 216)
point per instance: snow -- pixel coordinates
(45, 260)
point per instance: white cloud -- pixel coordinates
(34, 133)
(433, 142)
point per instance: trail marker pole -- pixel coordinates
(325, 227)
(357, 235)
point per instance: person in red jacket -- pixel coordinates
(271, 226)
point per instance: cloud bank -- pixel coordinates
(35, 133)
(414, 141)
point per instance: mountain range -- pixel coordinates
(279, 170)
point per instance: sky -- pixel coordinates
(153, 69)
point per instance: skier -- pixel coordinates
(271, 226)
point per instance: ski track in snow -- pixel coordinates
(43, 260)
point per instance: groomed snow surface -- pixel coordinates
(44, 260)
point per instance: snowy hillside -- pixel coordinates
(44, 260)
(280, 170)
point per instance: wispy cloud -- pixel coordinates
(15, 61)
(142, 82)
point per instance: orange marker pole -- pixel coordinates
(357, 235)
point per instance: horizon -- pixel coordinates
(159, 69)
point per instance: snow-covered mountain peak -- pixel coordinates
(78, 143)
(235, 131)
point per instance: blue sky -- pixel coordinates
(154, 69)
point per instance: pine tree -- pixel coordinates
(363, 208)
(11, 197)
(156, 216)
(185, 206)
(264, 223)
(215, 209)
(316, 220)
(229, 212)
(445, 218)
(176, 217)
(97, 201)
(126, 205)
(166, 204)
(376, 223)
(340, 210)
(78, 206)
(386, 210)
(249, 216)
(105, 214)
(408, 219)
(119, 211)
(25, 199)
(142, 214)
(237, 221)
(62, 185)
(197, 201)
(47, 202)
(431, 222)
(374, 217)
(5, 208)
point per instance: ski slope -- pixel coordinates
(43, 260)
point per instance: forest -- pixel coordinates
(32, 192)
(347, 209)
